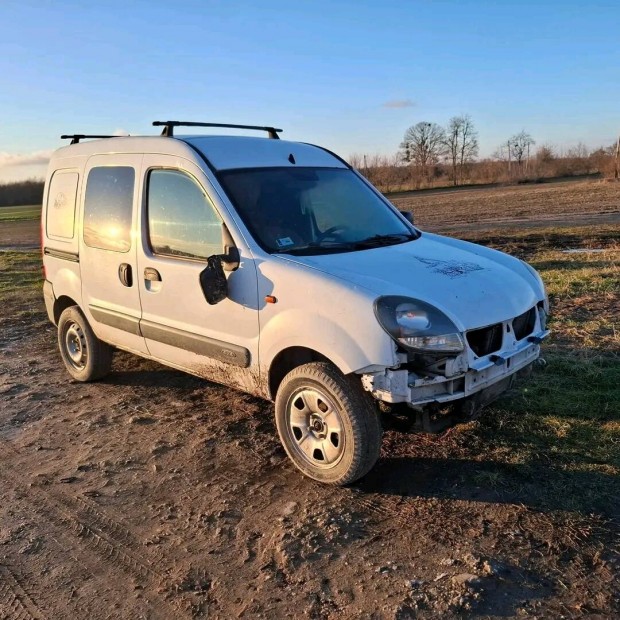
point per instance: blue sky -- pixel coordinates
(324, 71)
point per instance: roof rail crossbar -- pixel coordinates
(75, 138)
(170, 125)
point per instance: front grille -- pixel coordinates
(486, 340)
(523, 325)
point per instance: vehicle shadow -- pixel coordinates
(537, 485)
(154, 376)
(540, 481)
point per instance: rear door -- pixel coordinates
(110, 295)
(181, 228)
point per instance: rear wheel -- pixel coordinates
(328, 425)
(85, 356)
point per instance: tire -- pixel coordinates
(85, 356)
(328, 425)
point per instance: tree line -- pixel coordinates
(431, 155)
(21, 193)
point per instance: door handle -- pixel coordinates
(152, 275)
(125, 274)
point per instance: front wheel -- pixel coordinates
(85, 356)
(327, 424)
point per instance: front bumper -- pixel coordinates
(405, 386)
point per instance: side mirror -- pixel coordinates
(213, 281)
(407, 215)
(231, 257)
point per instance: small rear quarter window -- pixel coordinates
(108, 206)
(61, 197)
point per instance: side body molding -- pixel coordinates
(202, 345)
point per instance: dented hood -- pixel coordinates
(475, 286)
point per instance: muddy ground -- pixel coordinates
(153, 494)
(156, 495)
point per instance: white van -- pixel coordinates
(275, 268)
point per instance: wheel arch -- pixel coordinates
(61, 304)
(288, 359)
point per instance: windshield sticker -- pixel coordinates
(451, 268)
(284, 242)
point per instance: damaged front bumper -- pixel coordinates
(488, 375)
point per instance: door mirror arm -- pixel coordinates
(231, 257)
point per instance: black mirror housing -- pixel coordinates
(213, 281)
(408, 215)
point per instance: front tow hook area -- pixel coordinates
(437, 417)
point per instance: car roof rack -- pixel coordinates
(169, 126)
(76, 137)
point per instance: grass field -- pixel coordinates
(562, 428)
(13, 214)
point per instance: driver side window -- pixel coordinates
(182, 222)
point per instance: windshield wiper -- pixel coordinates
(379, 240)
(318, 247)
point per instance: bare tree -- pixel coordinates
(544, 161)
(461, 145)
(423, 145)
(519, 146)
(357, 161)
(545, 154)
(501, 153)
(579, 151)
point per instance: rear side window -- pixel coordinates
(60, 215)
(108, 206)
(182, 220)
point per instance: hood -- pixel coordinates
(475, 286)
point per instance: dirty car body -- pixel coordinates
(276, 268)
(494, 306)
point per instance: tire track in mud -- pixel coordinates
(15, 602)
(82, 526)
(393, 510)
(383, 509)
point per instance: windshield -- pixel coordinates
(312, 210)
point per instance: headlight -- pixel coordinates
(417, 325)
